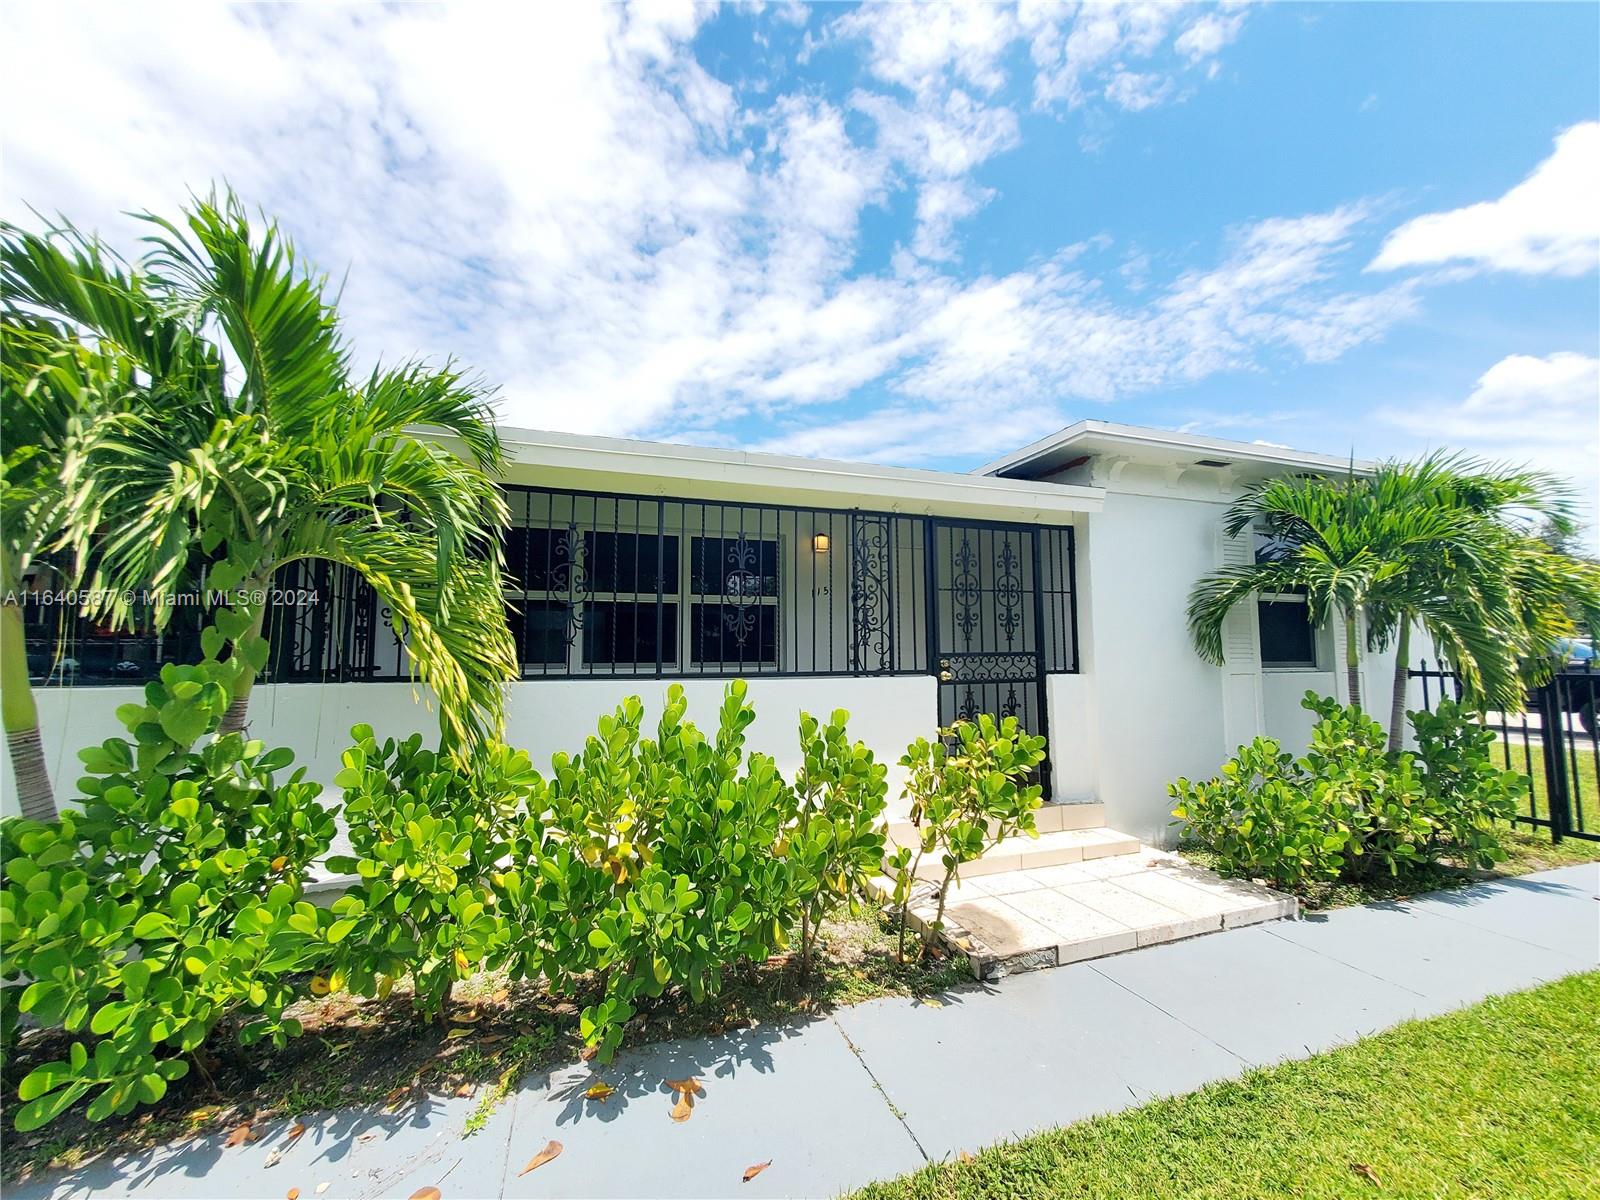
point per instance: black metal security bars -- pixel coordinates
(1552, 742)
(601, 584)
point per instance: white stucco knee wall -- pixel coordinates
(542, 717)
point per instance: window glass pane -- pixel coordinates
(733, 566)
(623, 632)
(630, 562)
(733, 635)
(540, 631)
(1287, 638)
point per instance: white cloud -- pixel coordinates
(563, 198)
(1542, 412)
(1209, 34)
(1549, 224)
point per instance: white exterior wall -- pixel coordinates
(1156, 709)
(542, 717)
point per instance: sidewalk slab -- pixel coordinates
(1263, 998)
(1043, 1049)
(1452, 963)
(1558, 911)
(793, 1094)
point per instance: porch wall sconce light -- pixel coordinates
(819, 543)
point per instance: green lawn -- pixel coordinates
(1530, 760)
(1498, 1100)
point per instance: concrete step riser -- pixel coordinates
(1047, 850)
(1051, 818)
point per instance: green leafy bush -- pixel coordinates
(427, 834)
(172, 901)
(836, 839)
(1349, 807)
(967, 793)
(650, 863)
(1472, 796)
(1262, 818)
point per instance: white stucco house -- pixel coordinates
(1050, 583)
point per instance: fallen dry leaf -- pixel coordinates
(930, 1002)
(490, 1039)
(588, 1052)
(470, 1017)
(273, 1159)
(293, 1194)
(459, 1033)
(368, 1136)
(466, 1089)
(600, 1091)
(427, 1193)
(296, 1132)
(684, 1107)
(551, 1149)
(240, 1135)
(500, 996)
(685, 1085)
(751, 1172)
(322, 1187)
(1367, 1173)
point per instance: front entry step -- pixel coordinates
(1032, 853)
(1023, 920)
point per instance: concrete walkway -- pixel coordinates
(881, 1088)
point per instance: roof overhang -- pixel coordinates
(1160, 447)
(566, 460)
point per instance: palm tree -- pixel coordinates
(1334, 545)
(1492, 597)
(255, 447)
(56, 393)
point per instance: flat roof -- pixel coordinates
(545, 458)
(1138, 442)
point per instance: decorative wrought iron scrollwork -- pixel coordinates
(871, 594)
(569, 578)
(992, 668)
(741, 589)
(966, 589)
(1008, 590)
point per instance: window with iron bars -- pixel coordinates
(601, 584)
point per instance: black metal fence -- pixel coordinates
(1552, 742)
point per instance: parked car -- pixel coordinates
(1580, 688)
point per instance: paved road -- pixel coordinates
(881, 1088)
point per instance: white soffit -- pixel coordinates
(1160, 447)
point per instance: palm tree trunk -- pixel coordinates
(1397, 706)
(233, 719)
(1352, 660)
(21, 719)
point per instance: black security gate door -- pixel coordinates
(986, 645)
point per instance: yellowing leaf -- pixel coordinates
(427, 1193)
(965, 1157)
(551, 1149)
(459, 1033)
(319, 985)
(293, 1194)
(685, 1085)
(461, 961)
(600, 1091)
(280, 862)
(751, 1172)
(684, 1107)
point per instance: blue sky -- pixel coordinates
(922, 235)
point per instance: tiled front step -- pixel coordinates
(1050, 818)
(1025, 920)
(1047, 850)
